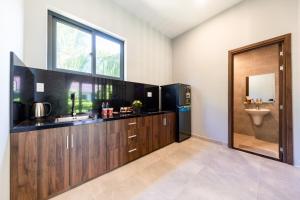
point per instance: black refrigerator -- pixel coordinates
(177, 97)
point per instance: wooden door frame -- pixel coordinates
(286, 136)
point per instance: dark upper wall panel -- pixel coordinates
(90, 92)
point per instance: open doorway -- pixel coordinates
(260, 99)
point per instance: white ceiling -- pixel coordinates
(174, 17)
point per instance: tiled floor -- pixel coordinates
(250, 143)
(194, 170)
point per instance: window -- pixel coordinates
(108, 56)
(74, 47)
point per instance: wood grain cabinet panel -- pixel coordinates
(157, 120)
(97, 150)
(114, 128)
(47, 162)
(53, 162)
(87, 152)
(171, 127)
(23, 166)
(124, 139)
(144, 129)
(164, 126)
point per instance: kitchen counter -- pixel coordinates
(48, 123)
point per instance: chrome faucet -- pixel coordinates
(258, 102)
(73, 113)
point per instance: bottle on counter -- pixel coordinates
(110, 110)
(104, 110)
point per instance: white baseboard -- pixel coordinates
(208, 139)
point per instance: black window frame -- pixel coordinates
(51, 55)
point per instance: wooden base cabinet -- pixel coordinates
(114, 129)
(53, 162)
(156, 131)
(171, 127)
(164, 127)
(39, 164)
(23, 166)
(131, 137)
(122, 140)
(145, 132)
(87, 152)
(48, 162)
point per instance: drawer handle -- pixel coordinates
(132, 150)
(133, 136)
(132, 123)
(67, 143)
(72, 141)
(165, 121)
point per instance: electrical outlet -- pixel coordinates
(39, 87)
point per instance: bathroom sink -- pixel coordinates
(257, 115)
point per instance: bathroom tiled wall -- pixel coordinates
(259, 61)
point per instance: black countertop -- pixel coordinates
(47, 123)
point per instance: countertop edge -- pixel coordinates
(30, 128)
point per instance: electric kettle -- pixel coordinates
(39, 109)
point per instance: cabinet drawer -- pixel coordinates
(131, 127)
(132, 142)
(133, 151)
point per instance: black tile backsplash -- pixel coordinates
(90, 93)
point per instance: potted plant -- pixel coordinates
(137, 105)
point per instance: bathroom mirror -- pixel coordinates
(261, 87)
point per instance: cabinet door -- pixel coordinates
(23, 165)
(171, 127)
(145, 135)
(97, 150)
(53, 162)
(157, 121)
(113, 143)
(124, 139)
(163, 139)
(88, 152)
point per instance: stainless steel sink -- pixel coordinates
(72, 119)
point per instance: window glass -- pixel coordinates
(73, 48)
(78, 48)
(108, 57)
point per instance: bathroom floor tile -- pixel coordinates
(250, 143)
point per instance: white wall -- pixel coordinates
(149, 53)
(200, 59)
(11, 37)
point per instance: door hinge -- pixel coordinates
(281, 53)
(281, 107)
(281, 67)
(281, 149)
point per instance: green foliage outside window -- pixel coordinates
(74, 51)
(73, 48)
